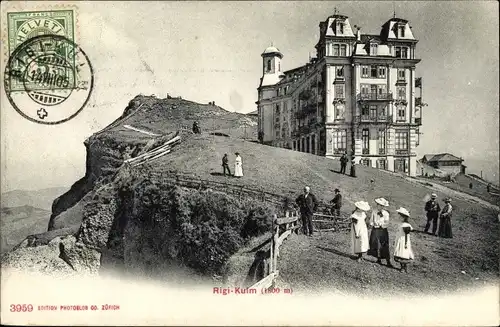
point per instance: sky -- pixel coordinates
(210, 51)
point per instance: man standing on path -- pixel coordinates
(225, 165)
(307, 203)
(343, 163)
(432, 208)
(337, 203)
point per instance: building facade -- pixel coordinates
(441, 165)
(358, 95)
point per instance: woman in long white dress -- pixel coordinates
(359, 231)
(403, 252)
(238, 166)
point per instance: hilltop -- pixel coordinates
(131, 217)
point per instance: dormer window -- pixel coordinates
(373, 49)
(343, 50)
(336, 50)
(340, 28)
(402, 31)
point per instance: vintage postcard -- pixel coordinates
(271, 163)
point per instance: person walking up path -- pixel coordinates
(238, 166)
(225, 165)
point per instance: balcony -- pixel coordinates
(339, 151)
(381, 151)
(401, 152)
(373, 96)
(373, 119)
(365, 151)
(418, 121)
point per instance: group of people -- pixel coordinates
(343, 164)
(434, 212)
(238, 165)
(377, 244)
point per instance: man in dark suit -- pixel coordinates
(343, 163)
(225, 165)
(432, 208)
(337, 203)
(307, 203)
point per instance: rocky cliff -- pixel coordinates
(119, 217)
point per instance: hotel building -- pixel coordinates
(357, 96)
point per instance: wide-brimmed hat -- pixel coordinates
(447, 200)
(237, 153)
(403, 211)
(336, 190)
(433, 196)
(382, 202)
(362, 205)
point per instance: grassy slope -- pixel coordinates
(311, 263)
(462, 184)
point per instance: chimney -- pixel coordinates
(358, 34)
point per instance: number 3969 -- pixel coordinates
(21, 307)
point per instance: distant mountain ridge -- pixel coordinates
(42, 198)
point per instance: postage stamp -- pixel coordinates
(22, 26)
(48, 79)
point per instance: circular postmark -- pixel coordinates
(48, 79)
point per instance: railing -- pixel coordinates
(418, 121)
(366, 151)
(278, 236)
(387, 96)
(339, 151)
(381, 151)
(373, 119)
(401, 151)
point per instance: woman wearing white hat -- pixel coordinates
(359, 231)
(403, 252)
(379, 236)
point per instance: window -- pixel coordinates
(343, 50)
(364, 89)
(373, 72)
(339, 91)
(339, 140)
(336, 50)
(340, 28)
(364, 71)
(365, 162)
(313, 144)
(401, 92)
(401, 113)
(303, 145)
(381, 141)
(277, 134)
(339, 111)
(373, 49)
(381, 72)
(365, 137)
(373, 111)
(383, 112)
(404, 52)
(401, 52)
(294, 145)
(401, 140)
(269, 65)
(401, 74)
(401, 31)
(307, 145)
(381, 164)
(365, 110)
(277, 113)
(381, 89)
(340, 71)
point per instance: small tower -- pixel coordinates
(271, 66)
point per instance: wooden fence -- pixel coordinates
(280, 230)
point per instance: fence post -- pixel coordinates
(271, 250)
